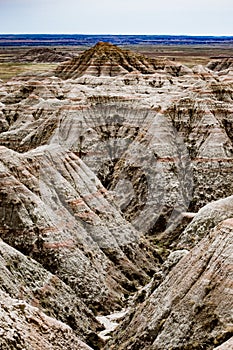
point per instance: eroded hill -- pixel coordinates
(105, 162)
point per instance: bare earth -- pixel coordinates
(116, 198)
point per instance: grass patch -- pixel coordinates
(9, 70)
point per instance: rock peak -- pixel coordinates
(104, 46)
(104, 43)
(105, 59)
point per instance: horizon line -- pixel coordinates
(123, 34)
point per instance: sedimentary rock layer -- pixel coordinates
(192, 308)
(105, 59)
(103, 163)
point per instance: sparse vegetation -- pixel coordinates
(9, 70)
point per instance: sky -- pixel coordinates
(195, 17)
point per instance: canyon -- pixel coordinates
(116, 196)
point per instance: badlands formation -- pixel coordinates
(116, 195)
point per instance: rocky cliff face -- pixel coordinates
(104, 162)
(221, 64)
(205, 220)
(26, 327)
(65, 220)
(192, 308)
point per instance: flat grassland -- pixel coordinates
(11, 69)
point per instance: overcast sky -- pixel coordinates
(117, 16)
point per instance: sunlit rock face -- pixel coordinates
(104, 162)
(24, 326)
(221, 64)
(192, 308)
(27, 291)
(206, 219)
(226, 345)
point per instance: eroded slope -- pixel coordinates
(102, 167)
